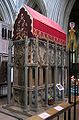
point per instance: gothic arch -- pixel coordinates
(59, 11)
(40, 4)
(6, 11)
(2, 15)
(67, 14)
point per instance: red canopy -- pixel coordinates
(44, 27)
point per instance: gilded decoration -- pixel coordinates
(72, 38)
(41, 34)
(22, 26)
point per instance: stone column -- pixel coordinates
(56, 72)
(36, 77)
(40, 76)
(46, 75)
(50, 76)
(36, 87)
(46, 85)
(26, 74)
(30, 86)
(62, 82)
(9, 72)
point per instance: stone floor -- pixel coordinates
(6, 114)
(6, 117)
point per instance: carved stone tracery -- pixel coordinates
(51, 54)
(42, 53)
(51, 57)
(32, 51)
(59, 57)
(19, 55)
(22, 26)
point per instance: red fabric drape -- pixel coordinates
(48, 29)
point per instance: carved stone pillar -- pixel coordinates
(63, 70)
(50, 76)
(9, 71)
(30, 86)
(56, 71)
(26, 74)
(46, 74)
(46, 86)
(36, 87)
(36, 77)
(40, 76)
(62, 81)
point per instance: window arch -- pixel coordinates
(1, 18)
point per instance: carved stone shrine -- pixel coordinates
(39, 54)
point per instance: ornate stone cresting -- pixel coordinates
(22, 26)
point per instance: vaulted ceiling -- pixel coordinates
(60, 11)
(7, 11)
(74, 16)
